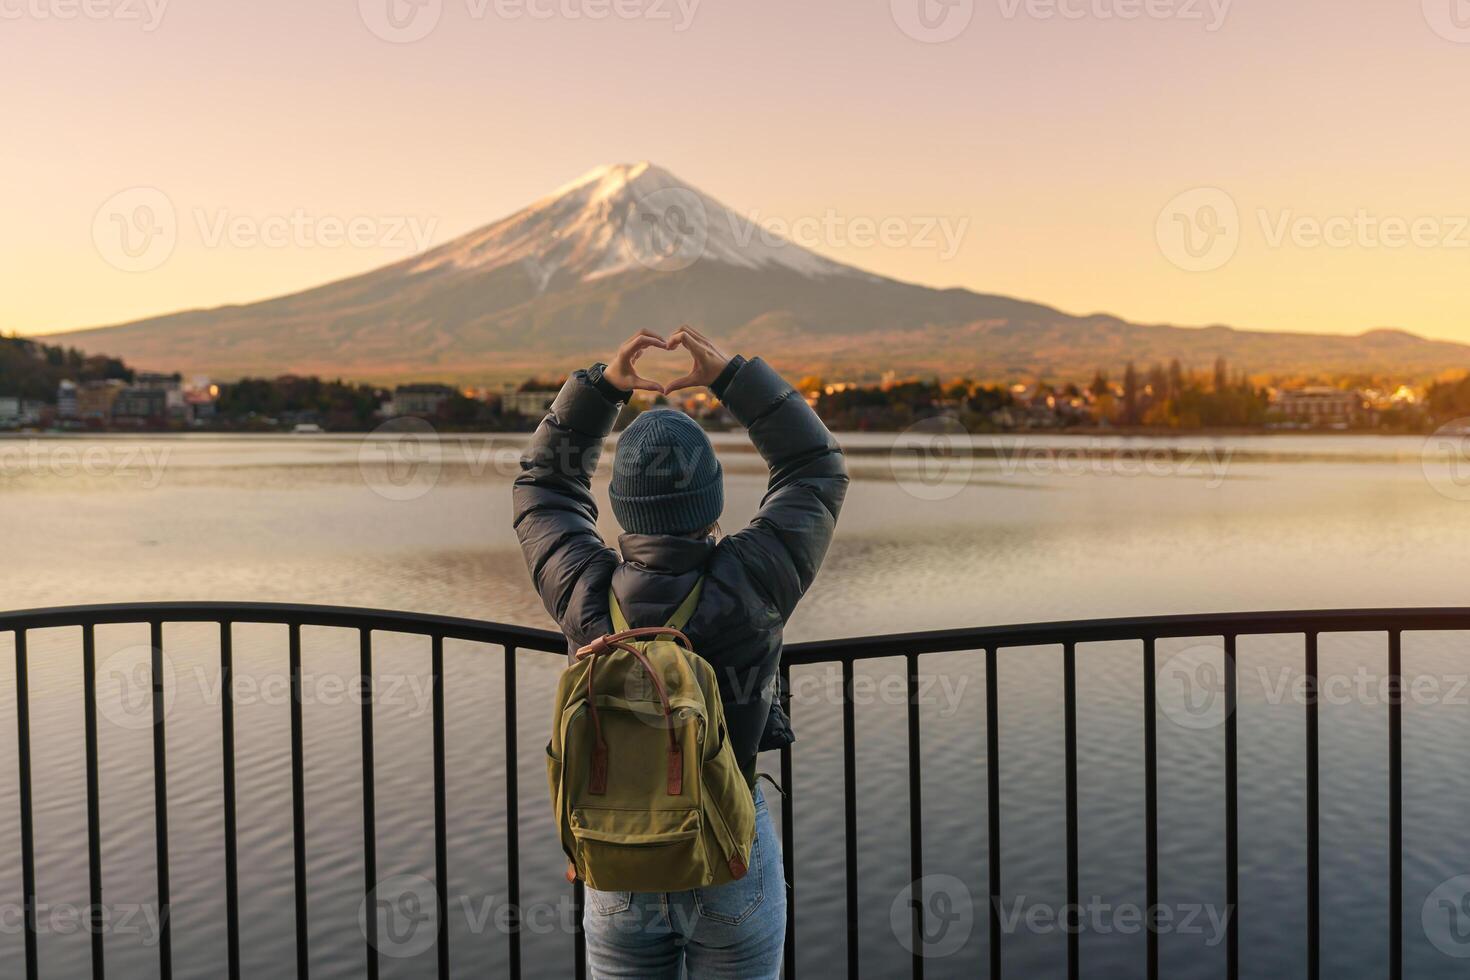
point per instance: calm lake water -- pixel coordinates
(1024, 530)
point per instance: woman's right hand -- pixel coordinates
(709, 360)
(620, 372)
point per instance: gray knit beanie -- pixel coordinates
(666, 479)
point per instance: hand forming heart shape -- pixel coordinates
(709, 361)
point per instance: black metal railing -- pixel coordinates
(845, 653)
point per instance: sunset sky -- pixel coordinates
(1060, 145)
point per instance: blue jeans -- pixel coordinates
(729, 932)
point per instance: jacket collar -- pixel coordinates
(665, 552)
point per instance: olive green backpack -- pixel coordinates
(646, 790)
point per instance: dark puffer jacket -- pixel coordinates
(753, 578)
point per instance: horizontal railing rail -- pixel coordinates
(981, 641)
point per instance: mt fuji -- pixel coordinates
(628, 246)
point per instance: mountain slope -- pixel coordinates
(631, 246)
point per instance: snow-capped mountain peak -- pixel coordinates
(626, 217)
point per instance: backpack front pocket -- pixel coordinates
(637, 850)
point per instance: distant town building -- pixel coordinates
(66, 400)
(172, 386)
(1318, 405)
(199, 402)
(95, 398)
(141, 404)
(423, 399)
(532, 404)
(23, 411)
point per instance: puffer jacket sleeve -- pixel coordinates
(784, 544)
(556, 514)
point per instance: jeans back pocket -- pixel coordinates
(609, 903)
(736, 901)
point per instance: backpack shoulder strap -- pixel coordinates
(677, 621)
(619, 623)
(685, 612)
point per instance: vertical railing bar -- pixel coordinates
(788, 844)
(1314, 875)
(1232, 816)
(512, 815)
(298, 804)
(441, 815)
(227, 739)
(849, 796)
(369, 802)
(94, 803)
(1074, 908)
(1151, 806)
(579, 935)
(1395, 806)
(992, 792)
(27, 827)
(160, 804)
(916, 822)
